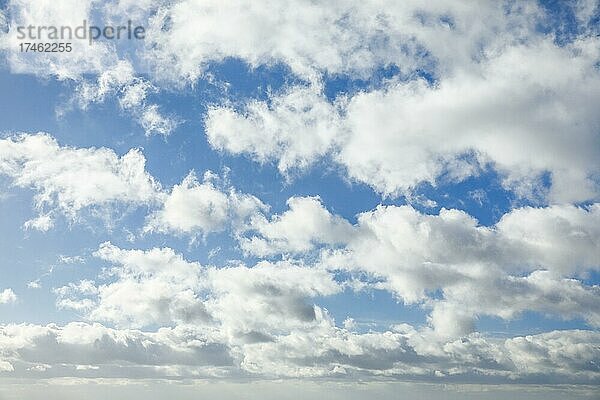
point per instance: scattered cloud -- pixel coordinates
(429, 93)
(132, 92)
(266, 317)
(461, 270)
(305, 225)
(354, 37)
(294, 129)
(83, 58)
(448, 262)
(193, 207)
(529, 96)
(68, 180)
(7, 296)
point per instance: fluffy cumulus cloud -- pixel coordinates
(72, 181)
(532, 259)
(350, 37)
(68, 180)
(295, 129)
(85, 56)
(479, 270)
(559, 238)
(518, 110)
(111, 60)
(305, 225)
(158, 286)
(555, 351)
(257, 304)
(194, 207)
(499, 88)
(525, 110)
(466, 89)
(406, 352)
(262, 322)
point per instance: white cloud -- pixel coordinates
(533, 259)
(256, 304)
(584, 11)
(560, 237)
(503, 97)
(194, 207)
(5, 366)
(132, 92)
(120, 78)
(503, 87)
(42, 223)
(236, 320)
(353, 37)
(72, 181)
(69, 180)
(264, 315)
(126, 352)
(528, 261)
(306, 224)
(34, 284)
(158, 286)
(525, 110)
(93, 351)
(154, 122)
(508, 296)
(396, 138)
(153, 287)
(555, 351)
(296, 128)
(519, 110)
(7, 296)
(83, 58)
(111, 61)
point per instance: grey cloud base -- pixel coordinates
(188, 352)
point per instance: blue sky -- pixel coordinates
(304, 192)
